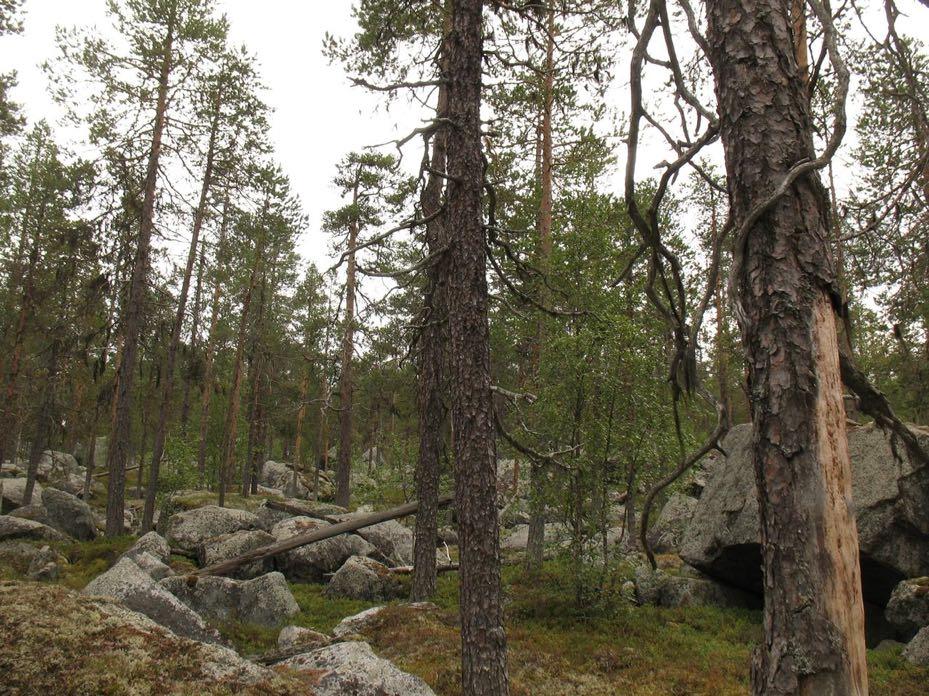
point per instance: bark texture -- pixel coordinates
(343, 472)
(432, 369)
(783, 283)
(121, 428)
(483, 639)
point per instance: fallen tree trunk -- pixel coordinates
(407, 570)
(299, 540)
(101, 474)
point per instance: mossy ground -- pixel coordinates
(558, 643)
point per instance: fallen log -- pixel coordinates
(408, 570)
(299, 540)
(101, 474)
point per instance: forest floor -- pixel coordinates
(559, 643)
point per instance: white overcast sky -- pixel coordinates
(318, 116)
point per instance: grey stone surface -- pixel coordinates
(127, 583)
(186, 531)
(891, 500)
(265, 601)
(296, 637)
(12, 490)
(917, 650)
(311, 563)
(667, 534)
(353, 669)
(22, 529)
(227, 546)
(908, 608)
(69, 514)
(363, 578)
(153, 544)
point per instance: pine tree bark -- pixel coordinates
(121, 427)
(343, 473)
(433, 341)
(483, 638)
(813, 618)
(194, 336)
(167, 380)
(535, 543)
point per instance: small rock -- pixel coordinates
(152, 566)
(69, 514)
(264, 601)
(917, 650)
(356, 622)
(295, 637)
(153, 544)
(16, 528)
(126, 582)
(363, 578)
(311, 563)
(667, 534)
(227, 546)
(448, 535)
(353, 668)
(34, 511)
(187, 530)
(45, 565)
(908, 608)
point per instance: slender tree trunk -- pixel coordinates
(194, 337)
(535, 544)
(813, 620)
(91, 457)
(432, 366)
(207, 390)
(722, 354)
(301, 414)
(343, 472)
(167, 381)
(483, 638)
(232, 411)
(121, 427)
(45, 420)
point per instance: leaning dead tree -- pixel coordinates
(295, 542)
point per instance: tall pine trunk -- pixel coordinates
(121, 427)
(206, 395)
(343, 471)
(535, 544)
(432, 366)
(167, 380)
(783, 279)
(483, 638)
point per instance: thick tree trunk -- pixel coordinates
(432, 366)
(483, 638)
(535, 544)
(167, 379)
(343, 473)
(814, 620)
(121, 427)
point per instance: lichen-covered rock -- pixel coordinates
(69, 514)
(665, 590)
(518, 539)
(55, 641)
(45, 565)
(908, 608)
(353, 668)
(153, 544)
(17, 555)
(363, 578)
(917, 650)
(891, 502)
(227, 546)
(360, 622)
(187, 530)
(666, 535)
(152, 566)
(293, 638)
(393, 541)
(127, 583)
(311, 563)
(17, 528)
(280, 476)
(34, 511)
(12, 491)
(264, 601)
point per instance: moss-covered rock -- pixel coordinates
(55, 641)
